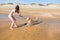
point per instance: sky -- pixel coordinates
(30, 1)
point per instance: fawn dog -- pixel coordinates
(31, 21)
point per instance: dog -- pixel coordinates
(31, 21)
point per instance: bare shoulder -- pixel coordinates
(13, 10)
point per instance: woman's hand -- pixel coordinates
(19, 14)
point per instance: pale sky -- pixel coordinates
(31, 1)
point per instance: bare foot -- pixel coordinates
(11, 28)
(15, 26)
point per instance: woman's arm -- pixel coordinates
(19, 14)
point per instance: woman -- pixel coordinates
(12, 18)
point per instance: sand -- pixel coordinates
(48, 29)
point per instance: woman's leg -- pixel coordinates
(11, 27)
(13, 20)
(15, 24)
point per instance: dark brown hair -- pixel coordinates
(17, 8)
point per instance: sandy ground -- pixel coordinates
(48, 29)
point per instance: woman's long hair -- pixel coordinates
(17, 8)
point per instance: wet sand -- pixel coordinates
(48, 29)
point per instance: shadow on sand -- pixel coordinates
(34, 23)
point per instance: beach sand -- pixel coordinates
(48, 29)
